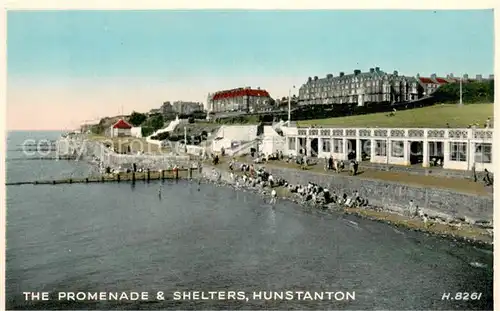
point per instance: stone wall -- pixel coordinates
(87, 149)
(394, 196)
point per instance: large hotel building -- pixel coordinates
(374, 86)
(241, 99)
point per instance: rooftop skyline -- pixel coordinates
(88, 64)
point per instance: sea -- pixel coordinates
(170, 241)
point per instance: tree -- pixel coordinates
(137, 118)
(156, 122)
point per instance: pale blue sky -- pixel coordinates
(223, 49)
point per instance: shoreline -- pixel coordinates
(467, 233)
(463, 233)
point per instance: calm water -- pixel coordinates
(119, 237)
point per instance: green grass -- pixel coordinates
(434, 116)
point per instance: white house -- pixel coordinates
(229, 137)
(272, 142)
(136, 131)
(121, 129)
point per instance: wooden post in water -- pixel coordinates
(118, 177)
(190, 173)
(102, 178)
(133, 176)
(70, 181)
(176, 173)
(87, 180)
(162, 174)
(149, 177)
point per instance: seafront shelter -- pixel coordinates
(451, 148)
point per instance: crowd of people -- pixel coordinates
(247, 176)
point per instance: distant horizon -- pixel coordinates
(66, 67)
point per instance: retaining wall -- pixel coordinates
(395, 196)
(87, 149)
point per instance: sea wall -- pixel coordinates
(396, 197)
(87, 149)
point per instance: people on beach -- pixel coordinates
(273, 196)
(487, 179)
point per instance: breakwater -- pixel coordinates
(119, 177)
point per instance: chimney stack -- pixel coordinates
(357, 72)
(372, 70)
(341, 74)
(377, 69)
(433, 76)
(395, 72)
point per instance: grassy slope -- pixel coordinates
(434, 116)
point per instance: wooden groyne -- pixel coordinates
(119, 177)
(53, 158)
(34, 149)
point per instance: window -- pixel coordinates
(380, 148)
(291, 143)
(397, 149)
(326, 145)
(458, 152)
(337, 146)
(483, 153)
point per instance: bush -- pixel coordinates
(137, 118)
(146, 131)
(472, 92)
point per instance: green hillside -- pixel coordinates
(433, 116)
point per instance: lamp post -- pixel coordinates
(290, 106)
(185, 139)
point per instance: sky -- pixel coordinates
(66, 67)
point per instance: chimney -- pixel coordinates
(315, 78)
(309, 79)
(479, 77)
(341, 74)
(451, 75)
(372, 70)
(377, 69)
(395, 72)
(433, 76)
(329, 76)
(357, 72)
(418, 75)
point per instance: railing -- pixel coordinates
(408, 133)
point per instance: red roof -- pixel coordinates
(441, 80)
(426, 80)
(122, 125)
(240, 93)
